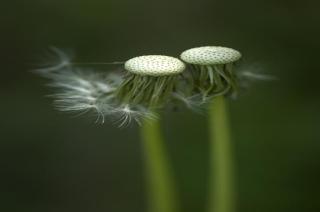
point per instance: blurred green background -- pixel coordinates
(53, 162)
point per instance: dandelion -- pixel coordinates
(211, 75)
(147, 85)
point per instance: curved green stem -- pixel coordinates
(161, 190)
(221, 196)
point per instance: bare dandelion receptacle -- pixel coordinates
(150, 80)
(211, 70)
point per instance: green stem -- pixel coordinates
(161, 190)
(221, 196)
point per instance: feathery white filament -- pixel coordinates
(81, 92)
(193, 102)
(126, 114)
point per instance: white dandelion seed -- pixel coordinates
(194, 102)
(57, 60)
(125, 114)
(83, 91)
(78, 90)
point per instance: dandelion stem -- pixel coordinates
(160, 188)
(221, 196)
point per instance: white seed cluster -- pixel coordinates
(154, 65)
(210, 55)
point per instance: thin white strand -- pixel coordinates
(257, 76)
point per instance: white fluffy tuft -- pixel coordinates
(125, 114)
(81, 91)
(194, 102)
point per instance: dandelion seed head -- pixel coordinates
(154, 65)
(210, 55)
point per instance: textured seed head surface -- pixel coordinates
(210, 55)
(154, 65)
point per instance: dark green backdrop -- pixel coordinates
(53, 162)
